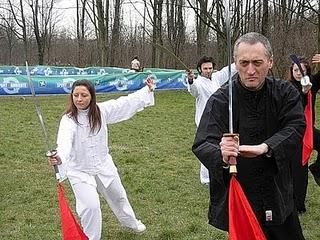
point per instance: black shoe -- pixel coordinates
(315, 170)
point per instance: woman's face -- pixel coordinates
(296, 72)
(81, 97)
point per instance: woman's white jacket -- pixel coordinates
(84, 154)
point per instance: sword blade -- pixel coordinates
(38, 109)
(49, 152)
(228, 29)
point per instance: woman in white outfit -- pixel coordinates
(83, 154)
(207, 83)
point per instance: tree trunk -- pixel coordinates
(81, 32)
(101, 32)
(42, 19)
(265, 19)
(115, 34)
(157, 33)
(202, 28)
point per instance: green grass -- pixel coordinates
(153, 154)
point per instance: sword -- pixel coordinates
(232, 160)
(49, 153)
(229, 65)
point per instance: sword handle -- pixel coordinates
(52, 153)
(233, 166)
(232, 160)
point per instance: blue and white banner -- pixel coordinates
(58, 80)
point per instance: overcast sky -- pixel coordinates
(67, 11)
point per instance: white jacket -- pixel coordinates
(84, 154)
(202, 88)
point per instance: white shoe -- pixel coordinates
(140, 227)
(204, 181)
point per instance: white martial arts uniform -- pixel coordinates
(87, 164)
(202, 88)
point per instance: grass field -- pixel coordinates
(153, 154)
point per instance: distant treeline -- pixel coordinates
(101, 35)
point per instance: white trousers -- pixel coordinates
(88, 205)
(204, 174)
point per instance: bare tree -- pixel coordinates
(175, 26)
(81, 13)
(265, 18)
(217, 23)
(203, 13)
(115, 33)
(163, 25)
(17, 13)
(102, 16)
(8, 31)
(42, 21)
(157, 40)
(314, 6)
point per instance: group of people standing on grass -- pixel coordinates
(268, 115)
(268, 118)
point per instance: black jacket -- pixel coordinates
(273, 115)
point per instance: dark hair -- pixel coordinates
(303, 60)
(203, 60)
(135, 57)
(94, 114)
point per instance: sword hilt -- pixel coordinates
(232, 160)
(52, 153)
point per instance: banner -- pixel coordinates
(58, 80)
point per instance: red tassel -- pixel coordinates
(243, 224)
(69, 226)
(308, 135)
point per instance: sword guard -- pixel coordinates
(51, 153)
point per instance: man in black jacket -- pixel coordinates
(268, 116)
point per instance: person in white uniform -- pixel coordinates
(83, 154)
(202, 88)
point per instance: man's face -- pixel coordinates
(206, 69)
(252, 64)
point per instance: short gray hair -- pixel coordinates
(253, 38)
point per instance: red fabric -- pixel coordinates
(308, 135)
(243, 224)
(69, 226)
